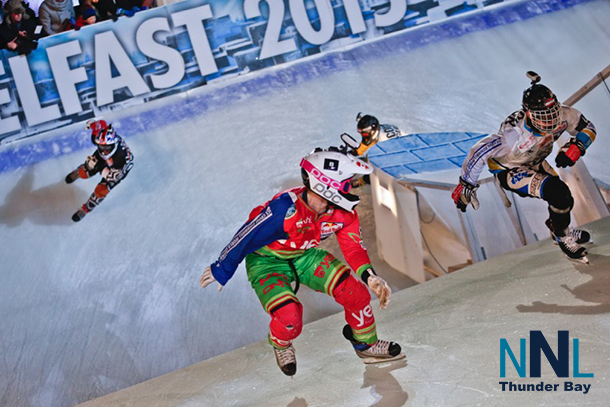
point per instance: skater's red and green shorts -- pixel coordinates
(319, 270)
(271, 276)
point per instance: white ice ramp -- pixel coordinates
(450, 329)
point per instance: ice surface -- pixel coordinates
(97, 306)
(450, 330)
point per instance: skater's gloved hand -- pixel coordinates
(91, 162)
(207, 278)
(381, 289)
(464, 194)
(570, 153)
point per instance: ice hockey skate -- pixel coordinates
(381, 351)
(572, 249)
(286, 360)
(79, 215)
(581, 236)
(73, 176)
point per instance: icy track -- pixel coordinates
(91, 308)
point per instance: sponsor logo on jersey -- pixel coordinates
(357, 237)
(536, 184)
(291, 211)
(389, 131)
(517, 176)
(527, 144)
(328, 228)
(303, 222)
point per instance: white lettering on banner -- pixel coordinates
(107, 49)
(192, 19)
(157, 44)
(354, 16)
(272, 45)
(9, 124)
(303, 25)
(149, 47)
(34, 112)
(66, 78)
(397, 11)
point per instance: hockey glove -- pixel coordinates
(73, 176)
(380, 288)
(570, 153)
(207, 278)
(91, 162)
(465, 193)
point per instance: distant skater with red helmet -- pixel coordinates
(112, 159)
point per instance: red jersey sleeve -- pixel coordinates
(352, 246)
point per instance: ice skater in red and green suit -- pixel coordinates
(279, 243)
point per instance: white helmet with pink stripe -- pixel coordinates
(329, 173)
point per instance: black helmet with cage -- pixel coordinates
(541, 106)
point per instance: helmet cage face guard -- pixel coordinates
(548, 119)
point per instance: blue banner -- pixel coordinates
(77, 75)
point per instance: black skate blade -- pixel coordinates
(373, 361)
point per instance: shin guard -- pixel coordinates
(557, 194)
(98, 195)
(355, 298)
